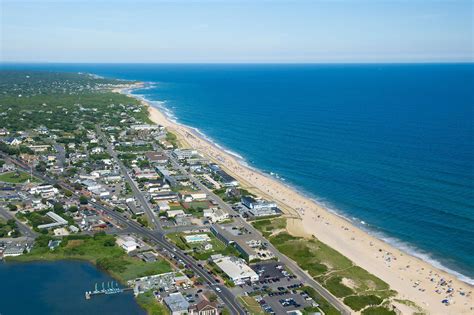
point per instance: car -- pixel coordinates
(218, 289)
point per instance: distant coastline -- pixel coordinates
(322, 219)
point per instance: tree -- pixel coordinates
(73, 209)
(68, 193)
(83, 200)
(12, 207)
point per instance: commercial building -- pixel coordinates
(182, 154)
(245, 242)
(235, 268)
(260, 207)
(156, 157)
(127, 243)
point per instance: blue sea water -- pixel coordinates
(388, 146)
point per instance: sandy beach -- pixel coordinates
(413, 278)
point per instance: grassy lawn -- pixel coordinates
(324, 305)
(16, 177)
(198, 251)
(379, 310)
(251, 305)
(149, 303)
(359, 302)
(268, 226)
(100, 250)
(333, 270)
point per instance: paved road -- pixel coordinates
(136, 191)
(295, 269)
(24, 230)
(159, 238)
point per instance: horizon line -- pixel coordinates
(245, 63)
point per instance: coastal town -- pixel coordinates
(92, 178)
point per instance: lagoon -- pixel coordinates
(58, 288)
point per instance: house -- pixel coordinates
(192, 196)
(4, 132)
(97, 150)
(176, 303)
(12, 141)
(174, 213)
(215, 215)
(52, 244)
(204, 308)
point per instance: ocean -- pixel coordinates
(388, 146)
(58, 288)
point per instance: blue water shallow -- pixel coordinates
(390, 145)
(47, 288)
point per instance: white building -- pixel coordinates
(45, 190)
(127, 243)
(235, 268)
(182, 154)
(59, 221)
(215, 215)
(175, 213)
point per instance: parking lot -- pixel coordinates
(281, 304)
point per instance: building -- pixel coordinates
(145, 173)
(236, 269)
(260, 207)
(215, 215)
(225, 179)
(127, 243)
(145, 127)
(176, 303)
(174, 213)
(182, 154)
(58, 221)
(249, 247)
(163, 206)
(156, 157)
(204, 308)
(192, 196)
(45, 190)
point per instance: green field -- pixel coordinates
(100, 250)
(354, 285)
(16, 177)
(268, 226)
(251, 305)
(151, 305)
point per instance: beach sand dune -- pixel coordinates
(413, 278)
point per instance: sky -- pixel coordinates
(245, 31)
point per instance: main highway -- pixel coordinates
(294, 268)
(153, 235)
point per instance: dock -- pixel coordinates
(109, 288)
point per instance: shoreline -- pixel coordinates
(406, 273)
